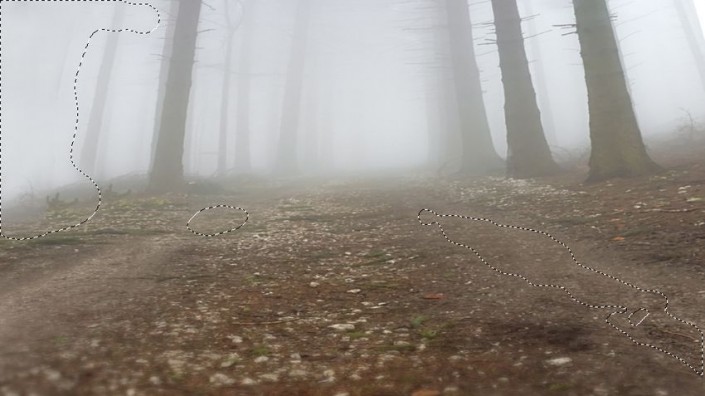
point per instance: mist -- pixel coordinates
(352, 197)
(362, 105)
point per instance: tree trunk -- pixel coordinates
(164, 71)
(694, 34)
(96, 120)
(286, 162)
(542, 94)
(617, 146)
(225, 107)
(167, 168)
(243, 162)
(442, 109)
(478, 153)
(528, 154)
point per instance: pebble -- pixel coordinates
(342, 326)
(221, 379)
(248, 381)
(298, 373)
(271, 377)
(261, 359)
(559, 361)
(235, 339)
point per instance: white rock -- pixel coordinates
(248, 381)
(271, 377)
(298, 373)
(559, 361)
(342, 326)
(235, 339)
(261, 359)
(221, 379)
(314, 284)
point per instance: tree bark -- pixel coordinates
(167, 172)
(287, 161)
(617, 146)
(170, 23)
(96, 120)
(528, 154)
(478, 153)
(542, 94)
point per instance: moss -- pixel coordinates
(260, 350)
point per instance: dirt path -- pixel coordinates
(335, 288)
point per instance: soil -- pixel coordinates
(335, 288)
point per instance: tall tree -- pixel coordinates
(443, 117)
(528, 154)
(167, 173)
(165, 60)
(97, 117)
(478, 153)
(287, 147)
(242, 134)
(694, 34)
(539, 76)
(232, 24)
(617, 146)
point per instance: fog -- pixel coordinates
(363, 99)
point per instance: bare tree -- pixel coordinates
(232, 24)
(167, 173)
(165, 60)
(287, 147)
(617, 146)
(478, 153)
(539, 76)
(97, 118)
(528, 154)
(242, 134)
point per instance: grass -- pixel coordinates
(399, 348)
(559, 386)
(128, 231)
(428, 334)
(260, 350)
(316, 219)
(573, 220)
(635, 231)
(57, 240)
(417, 321)
(375, 257)
(354, 335)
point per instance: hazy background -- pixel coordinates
(364, 87)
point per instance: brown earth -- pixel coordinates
(335, 288)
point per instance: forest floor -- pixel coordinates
(335, 288)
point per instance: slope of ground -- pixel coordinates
(336, 288)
